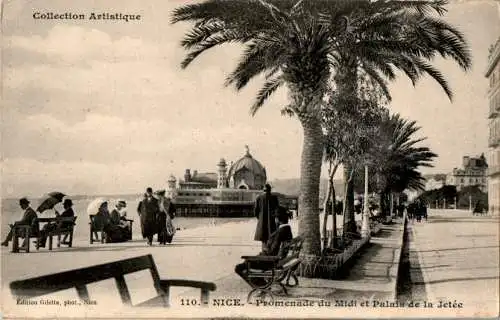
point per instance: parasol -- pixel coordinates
(95, 204)
(50, 200)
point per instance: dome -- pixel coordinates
(249, 169)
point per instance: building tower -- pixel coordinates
(221, 178)
(171, 187)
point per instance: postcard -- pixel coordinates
(250, 159)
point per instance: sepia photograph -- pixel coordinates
(250, 159)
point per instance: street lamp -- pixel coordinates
(365, 224)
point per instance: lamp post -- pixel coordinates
(365, 224)
(470, 203)
(456, 207)
(444, 203)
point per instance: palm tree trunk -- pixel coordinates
(333, 243)
(326, 212)
(349, 222)
(310, 172)
(329, 206)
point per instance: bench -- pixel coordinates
(277, 271)
(80, 278)
(21, 231)
(103, 233)
(65, 227)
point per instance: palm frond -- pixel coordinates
(270, 86)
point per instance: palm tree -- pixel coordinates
(398, 158)
(298, 43)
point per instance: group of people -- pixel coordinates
(115, 225)
(272, 230)
(30, 218)
(156, 213)
(417, 210)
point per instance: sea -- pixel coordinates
(12, 212)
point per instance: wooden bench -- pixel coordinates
(80, 278)
(62, 229)
(65, 227)
(276, 271)
(103, 233)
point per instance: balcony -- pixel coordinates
(493, 170)
(493, 142)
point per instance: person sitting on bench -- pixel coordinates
(273, 247)
(68, 212)
(29, 218)
(117, 228)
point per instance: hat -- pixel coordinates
(24, 201)
(267, 186)
(283, 214)
(149, 190)
(160, 192)
(122, 203)
(68, 202)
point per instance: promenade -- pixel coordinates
(451, 257)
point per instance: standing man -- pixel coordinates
(265, 209)
(148, 210)
(29, 218)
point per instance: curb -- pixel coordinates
(396, 263)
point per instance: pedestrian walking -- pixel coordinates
(148, 212)
(265, 209)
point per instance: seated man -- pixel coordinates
(273, 248)
(68, 212)
(29, 218)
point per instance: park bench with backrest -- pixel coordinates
(64, 228)
(96, 231)
(265, 271)
(79, 279)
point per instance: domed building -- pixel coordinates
(225, 193)
(247, 173)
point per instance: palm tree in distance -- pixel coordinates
(398, 158)
(302, 44)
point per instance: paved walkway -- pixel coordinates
(455, 261)
(207, 254)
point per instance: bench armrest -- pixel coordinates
(261, 258)
(187, 283)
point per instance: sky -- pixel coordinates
(103, 107)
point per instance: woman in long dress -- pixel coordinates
(166, 212)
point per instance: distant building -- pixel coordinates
(225, 193)
(472, 173)
(493, 74)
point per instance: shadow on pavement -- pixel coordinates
(457, 280)
(458, 249)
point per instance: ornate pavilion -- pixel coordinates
(225, 193)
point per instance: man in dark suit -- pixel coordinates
(29, 218)
(274, 246)
(148, 210)
(265, 209)
(67, 213)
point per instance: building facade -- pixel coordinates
(225, 193)
(493, 74)
(473, 173)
